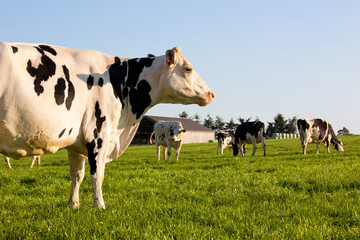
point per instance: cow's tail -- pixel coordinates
(151, 136)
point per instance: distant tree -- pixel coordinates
(184, 115)
(343, 131)
(242, 120)
(291, 125)
(196, 118)
(280, 123)
(209, 122)
(270, 129)
(219, 124)
(230, 126)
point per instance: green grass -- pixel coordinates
(284, 195)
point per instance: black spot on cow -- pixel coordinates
(14, 49)
(136, 66)
(303, 124)
(162, 136)
(171, 132)
(138, 91)
(323, 127)
(101, 82)
(70, 131)
(99, 120)
(43, 72)
(117, 73)
(48, 49)
(92, 156)
(95, 133)
(99, 143)
(90, 82)
(62, 133)
(140, 98)
(60, 91)
(71, 89)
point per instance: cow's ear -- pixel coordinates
(171, 56)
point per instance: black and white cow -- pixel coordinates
(168, 134)
(317, 130)
(249, 132)
(225, 139)
(33, 159)
(85, 101)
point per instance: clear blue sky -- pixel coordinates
(297, 58)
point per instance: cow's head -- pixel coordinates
(180, 83)
(177, 134)
(339, 146)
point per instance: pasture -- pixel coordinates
(284, 195)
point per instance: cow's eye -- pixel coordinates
(188, 69)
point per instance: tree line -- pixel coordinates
(279, 124)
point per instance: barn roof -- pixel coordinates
(187, 123)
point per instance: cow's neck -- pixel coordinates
(136, 85)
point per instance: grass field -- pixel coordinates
(284, 195)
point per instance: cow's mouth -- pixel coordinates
(206, 99)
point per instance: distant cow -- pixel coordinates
(33, 159)
(225, 139)
(249, 132)
(317, 130)
(168, 134)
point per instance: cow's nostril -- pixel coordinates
(212, 95)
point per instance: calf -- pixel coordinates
(33, 159)
(249, 132)
(168, 134)
(317, 130)
(225, 139)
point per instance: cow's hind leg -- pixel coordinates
(158, 151)
(263, 145)
(164, 152)
(254, 146)
(317, 147)
(77, 167)
(33, 159)
(7, 160)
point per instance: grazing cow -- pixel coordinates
(33, 159)
(249, 132)
(87, 102)
(168, 134)
(317, 130)
(225, 139)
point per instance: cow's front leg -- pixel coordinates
(328, 145)
(77, 167)
(97, 168)
(178, 151)
(169, 149)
